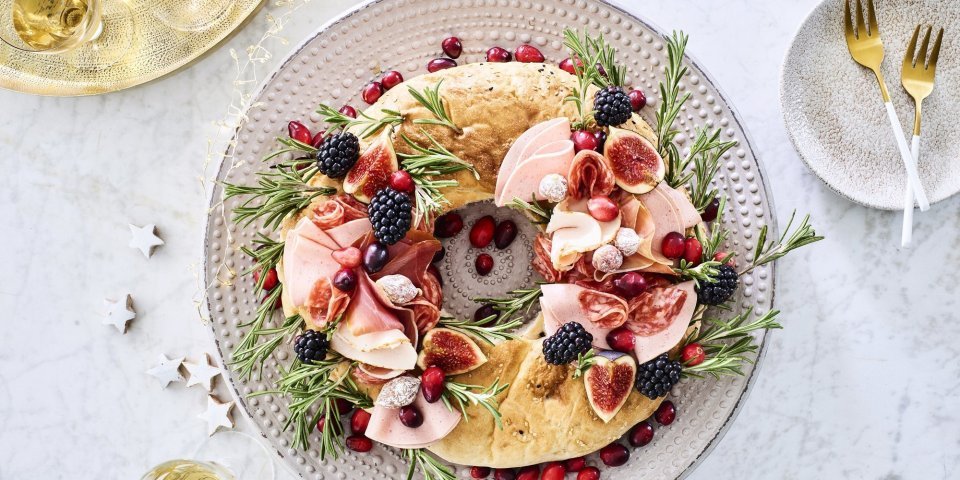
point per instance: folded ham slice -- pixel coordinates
(598, 312)
(348, 233)
(665, 216)
(396, 351)
(543, 132)
(438, 421)
(307, 260)
(543, 149)
(659, 317)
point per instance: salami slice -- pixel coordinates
(659, 318)
(603, 309)
(590, 175)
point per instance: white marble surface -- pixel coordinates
(863, 383)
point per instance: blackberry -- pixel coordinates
(390, 213)
(569, 341)
(611, 106)
(720, 291)
(656, 377)
(337, 154)
(311, 346)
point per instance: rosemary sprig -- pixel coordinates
(488, 329)
(370, 125)
(516, 300)
(705, 156)
(266, 255)
(725, 358)
(292, 145)
(702, 272)
(430, 99)
(586, 71)
(281, 191)
(465, 395)
(713, 241)
(670, 104)
(250, 353)
(538, 211)
(423, 166)
(429, 466)
(584, 362)
(765, 253)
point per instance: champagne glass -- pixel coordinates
(228, 455)
(191, 15)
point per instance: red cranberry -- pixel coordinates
(505, 233)
(318, 139)
(438, 64)
(321, 423)
(276, 305)
(614, 455)
(666, 413)
(589, 473)
(371, 92)
(568, 66)
(410, 416)
(528, 54)
(349, 257)
(359, 443)
(348, 111)
(401, 181)
(439, 255)
(391, 79)
(637, 100)
(710, 213)
(345, 280)
(270, 280)
(601, 137)
(452, 47)
(673, 245)
(484, 264)
(447, 225)
(693, 354)
(481, 234)
(622, 339)
(504, 474)
(530, 472)
(722, 258)
(497, 54)
(575, 464)
(359, 421)
(602, 208)
(484, 312)
(299, 132)
(692, 251)
(554, 471)
(583, 140)
(343, 406)
(375, 257)
(431, 383)
(641, 434)
(602, 71)
(479, 472)
(631, 284)
(436, 273)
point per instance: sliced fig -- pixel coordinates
(453, 352)
(635, 162)
(372, 170)
(609, 383)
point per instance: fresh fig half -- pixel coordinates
(372, 170)
(609, 383)
(635, 162)
(452, 351)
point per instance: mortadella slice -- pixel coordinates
(307, 229)
(689, 216)
(344, 235)
(659, 318)
(526, 146)
(438, 421)
(560, 304)
(305, 262)
(524, 181)
(665, 218)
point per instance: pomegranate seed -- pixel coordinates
(270, 281)
(583, 140)
(299, 132)
(439, 255)
(479, 472)
(447, 225)
(321, 423)
(484, 264)
(484, 312)
(371, 92)
(637, 100)
(602, 208)
(575, 464)
(410, 416)
(482, 232)
(345, 280)
(505, 233)
(504, 474)
(528, 54)
(401, 181)
(349, 257)
(693, 354)
(673, 245)
(614, 455)
(499, 55)
(438, 64)
(343, 406)
(589, 473)
(601, 137)
(722, 258)
(431, 383)
(554, 471)
(568, 66)
(530, 472)
(666, 413)
(359, 421)
(318, 139)
(692, 251)
(359, 443)
(375, 257)
(348, 111)
(452, 47)
(631, 284)
(710, 213)
(436, 273)
(622, 339)
(391, 79)
(641, 434)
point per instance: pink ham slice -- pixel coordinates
(524, 181)
(555, 129)
(561, 304)
(438, 421)
(344, 235)
(659, 318)
(665, 217)
(688, 214)
(306, 260)
(307, 229)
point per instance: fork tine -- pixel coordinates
(922, 54)
(847, 22)
(861, 28)
(874, 26)
(909, 60)
(932, 64)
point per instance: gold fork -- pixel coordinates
(867, 49)
(917, 76)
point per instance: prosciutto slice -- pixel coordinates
(366, 312)
(590, 175)
(411, 257)
(371, 375)
(659, 317)
(438, 421)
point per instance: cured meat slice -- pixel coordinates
(590, 175)
(659, 318)
(395, 352)
(543, 133)
(411, 257)
(560, 304)
(603, 309)
(348, 233)
(575, 231)
(438, 421)
(336, 211)
(524, 180)
(324, 304)
(367, 313)
(306, 261)
(372, 375)
(542, 262)
(689, 216)
(665, 218)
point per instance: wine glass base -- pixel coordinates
(191, 15)
(112, 44)
(239, 453)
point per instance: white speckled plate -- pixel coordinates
(333, 64)
(835, 116)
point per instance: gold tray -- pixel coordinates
(157, 48)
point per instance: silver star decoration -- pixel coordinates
(119, 312)
(217, 415)
(167, 370)
(145, 239)
(202, 373)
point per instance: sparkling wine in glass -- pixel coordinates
(49, 26)
(188, 470)
(228, 455)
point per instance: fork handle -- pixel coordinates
(906, 238)
(913, 177)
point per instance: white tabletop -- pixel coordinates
(864, 381)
